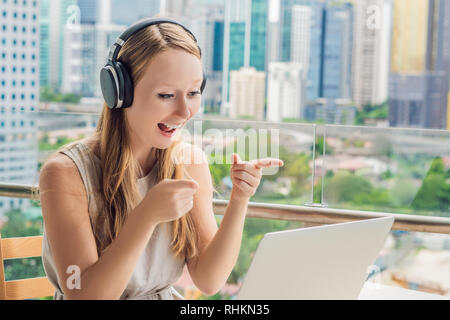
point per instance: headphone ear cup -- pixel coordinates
(126, 85)
(108, 86)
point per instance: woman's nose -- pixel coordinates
(183, 108)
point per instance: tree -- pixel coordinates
(17, 225)
(48, 94)
(434, 194)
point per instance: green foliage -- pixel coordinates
(17, 225)
(377, 111)
(387, 175)
(48, 94)
(45, 145)
(319, 146)
(376, 197)
(434, 194)
(344, 187)
(246, 117)
(296, 120)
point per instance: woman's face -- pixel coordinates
(169, 93)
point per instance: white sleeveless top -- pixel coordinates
(157, 268)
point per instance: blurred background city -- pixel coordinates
(359, 90)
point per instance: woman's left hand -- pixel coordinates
(246, 175)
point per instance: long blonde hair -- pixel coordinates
(118, 188)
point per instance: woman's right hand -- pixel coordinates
(170, 199)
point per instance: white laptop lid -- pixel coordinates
(325, 262)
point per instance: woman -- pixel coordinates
(120, 218)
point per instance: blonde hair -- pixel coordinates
(118, 188)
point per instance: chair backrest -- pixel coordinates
(23, 247)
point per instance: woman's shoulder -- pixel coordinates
(60, 162)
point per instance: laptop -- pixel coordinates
(324, 262)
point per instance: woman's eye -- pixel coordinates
(164, 96)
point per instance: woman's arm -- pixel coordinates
(212, 267)
(72, 242)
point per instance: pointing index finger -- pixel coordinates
(268, 162)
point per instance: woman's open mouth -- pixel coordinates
(166, 131)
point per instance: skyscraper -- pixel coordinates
(371, 51)
(89, 10)
(301, 35)
(336, 80)
(247, 93)
(330, 44)
(420, 55)
(130, 11)
(19, 95)
(44, 48)
(286, 91)
(258, 35)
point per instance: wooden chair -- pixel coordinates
(23, 247)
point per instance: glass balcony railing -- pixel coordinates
(389, 169)
(331, 174)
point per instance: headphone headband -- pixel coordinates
(141, 24)
(115, 80)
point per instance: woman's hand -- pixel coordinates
(246, 175)
(170, 199)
